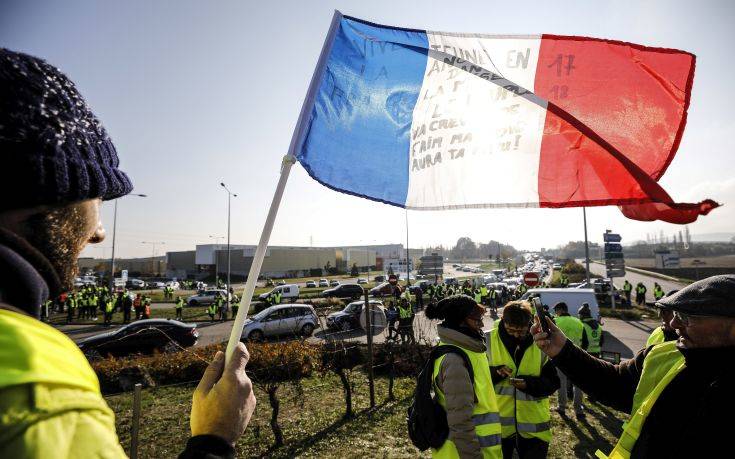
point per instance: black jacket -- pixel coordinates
(693, 415)
(536, 386)
(27, 279)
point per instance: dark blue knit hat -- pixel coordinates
(53, 150)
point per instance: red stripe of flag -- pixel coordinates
(617, 112)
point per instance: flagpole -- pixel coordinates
(586, 247)
(288, 161)
(242, 312)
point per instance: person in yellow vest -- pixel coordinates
(592, 329)
(405, 321)
(679, 393)
(59, 164)
(658, 292)
(574, 329)
(627, 289)
(523, 378)
(179, 308)
(109, 307)
(640, 294)
(471, 405)
(212, 308)
(664, 332)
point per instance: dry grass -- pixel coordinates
(313, 426)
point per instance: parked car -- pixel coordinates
(135, 284)
(379, 279)
(361, 280)
(451, 281)
(281, 282)
(279, 320)
(310, 284)
(349, 318)
(353, 291)
(156, 284)
(383, 289)
(173, 284)
(288, 292)
(323, 283)
(333, 283)
(141, 337)
(206, 297)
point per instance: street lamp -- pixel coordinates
(230, 194)
(153, 254)
(216, 258)
(114, 233)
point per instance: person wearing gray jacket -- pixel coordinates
(470, 404)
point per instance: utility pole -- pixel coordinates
(216, 258)
(229, 198)
(114, 235)
(586, 247)
(408, 260)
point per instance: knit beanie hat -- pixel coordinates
(53, 150)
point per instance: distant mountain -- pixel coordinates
(713, 237)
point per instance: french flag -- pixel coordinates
(435, 120)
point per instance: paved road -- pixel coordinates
(634, 278)
(620, 336)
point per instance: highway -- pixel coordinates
(634, 278)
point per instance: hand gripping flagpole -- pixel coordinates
(288, 161)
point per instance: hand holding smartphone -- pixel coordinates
(541, 314)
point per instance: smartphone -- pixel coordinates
(516, 380)
(541, 314)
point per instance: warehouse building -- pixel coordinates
(279, 261)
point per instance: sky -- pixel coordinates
(194, 93)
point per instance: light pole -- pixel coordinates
(216, 258)
(153, 253)
(114, 233)
(230, 194)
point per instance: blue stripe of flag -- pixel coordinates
(358, 133)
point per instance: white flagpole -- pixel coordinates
(242, 312)
(288, 161)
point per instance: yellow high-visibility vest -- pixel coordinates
(485, 413)
(572, 327)
(67, 416)
(520, 412)
(594, 336)
(660, 367)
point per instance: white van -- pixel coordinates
(573, 297)
(289, 292)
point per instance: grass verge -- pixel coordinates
(314, 426)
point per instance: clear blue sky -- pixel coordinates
(198, 92)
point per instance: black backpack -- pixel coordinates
(427, 420)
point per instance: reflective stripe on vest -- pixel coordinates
(572, 328)
(485, 414)
(660, 367)
(594, 336)
(519, 411)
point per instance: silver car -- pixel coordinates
(282, 319)
(206, 298)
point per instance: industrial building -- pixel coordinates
(279, 261)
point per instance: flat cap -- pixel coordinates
(713, 296)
